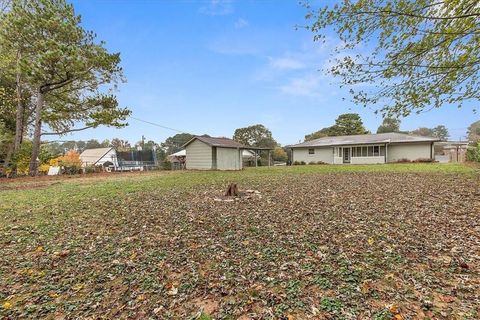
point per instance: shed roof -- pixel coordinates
(218, 142)
(94, 155)
(390, 137)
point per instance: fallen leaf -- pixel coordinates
(173, 291)
(7, 305)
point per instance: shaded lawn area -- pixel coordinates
(322, 242)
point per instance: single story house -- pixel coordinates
(209, 153)
(99, 157)
(365, 149)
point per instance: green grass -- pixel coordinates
(72, 190)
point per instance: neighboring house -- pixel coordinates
(99, 157)
(451, 151)
(365, 149)
(208, 153)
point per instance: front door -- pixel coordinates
(346, 155)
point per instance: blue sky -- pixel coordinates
(214, 66)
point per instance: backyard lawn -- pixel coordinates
(399, 241)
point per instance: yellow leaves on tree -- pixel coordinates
(70, 159)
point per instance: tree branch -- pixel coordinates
(65, 131)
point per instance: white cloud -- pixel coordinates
(217, 8)
(286, 63)
(308, 85)
(241, 23)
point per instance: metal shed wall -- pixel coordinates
(198, 156)
(229, 159)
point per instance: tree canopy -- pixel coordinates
(440, 132)
(345, 124)
(255, 136)
(404, 55)
(70, 76)
(473, 132)
(389, 125)
(175, 143)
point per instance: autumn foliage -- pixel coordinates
(70, 161)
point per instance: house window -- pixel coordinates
(368, 151)
(311, 151)
(364, 151)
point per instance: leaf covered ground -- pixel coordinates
(320, 243)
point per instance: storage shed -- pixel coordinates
(208, 153)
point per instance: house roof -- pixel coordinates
(390, 137)
(218, 142)
(92, 156)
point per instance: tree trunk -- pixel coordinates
(20, 114)
(37, 133)
(8, 158)
(232, 190)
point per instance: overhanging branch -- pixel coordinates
(65, 131)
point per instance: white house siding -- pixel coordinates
(321, 154)
(367, 160)
(337, 160)
(410, 151)
(198, 156)
(228, 159)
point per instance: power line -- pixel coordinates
(158, 125)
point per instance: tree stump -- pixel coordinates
(232, 190)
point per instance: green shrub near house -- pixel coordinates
(473, 153)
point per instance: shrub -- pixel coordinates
(70, 162)
(473, 153)
(167, 165)
(321, 162)
(43, 168)
(312, 162)
(296, 163)
(303, 163)
(90, 169)
(424, 160)
(403, 160)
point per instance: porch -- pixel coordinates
(364, 154)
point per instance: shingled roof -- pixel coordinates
(218, 142)
(390, 137)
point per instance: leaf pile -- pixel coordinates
(319, 246)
